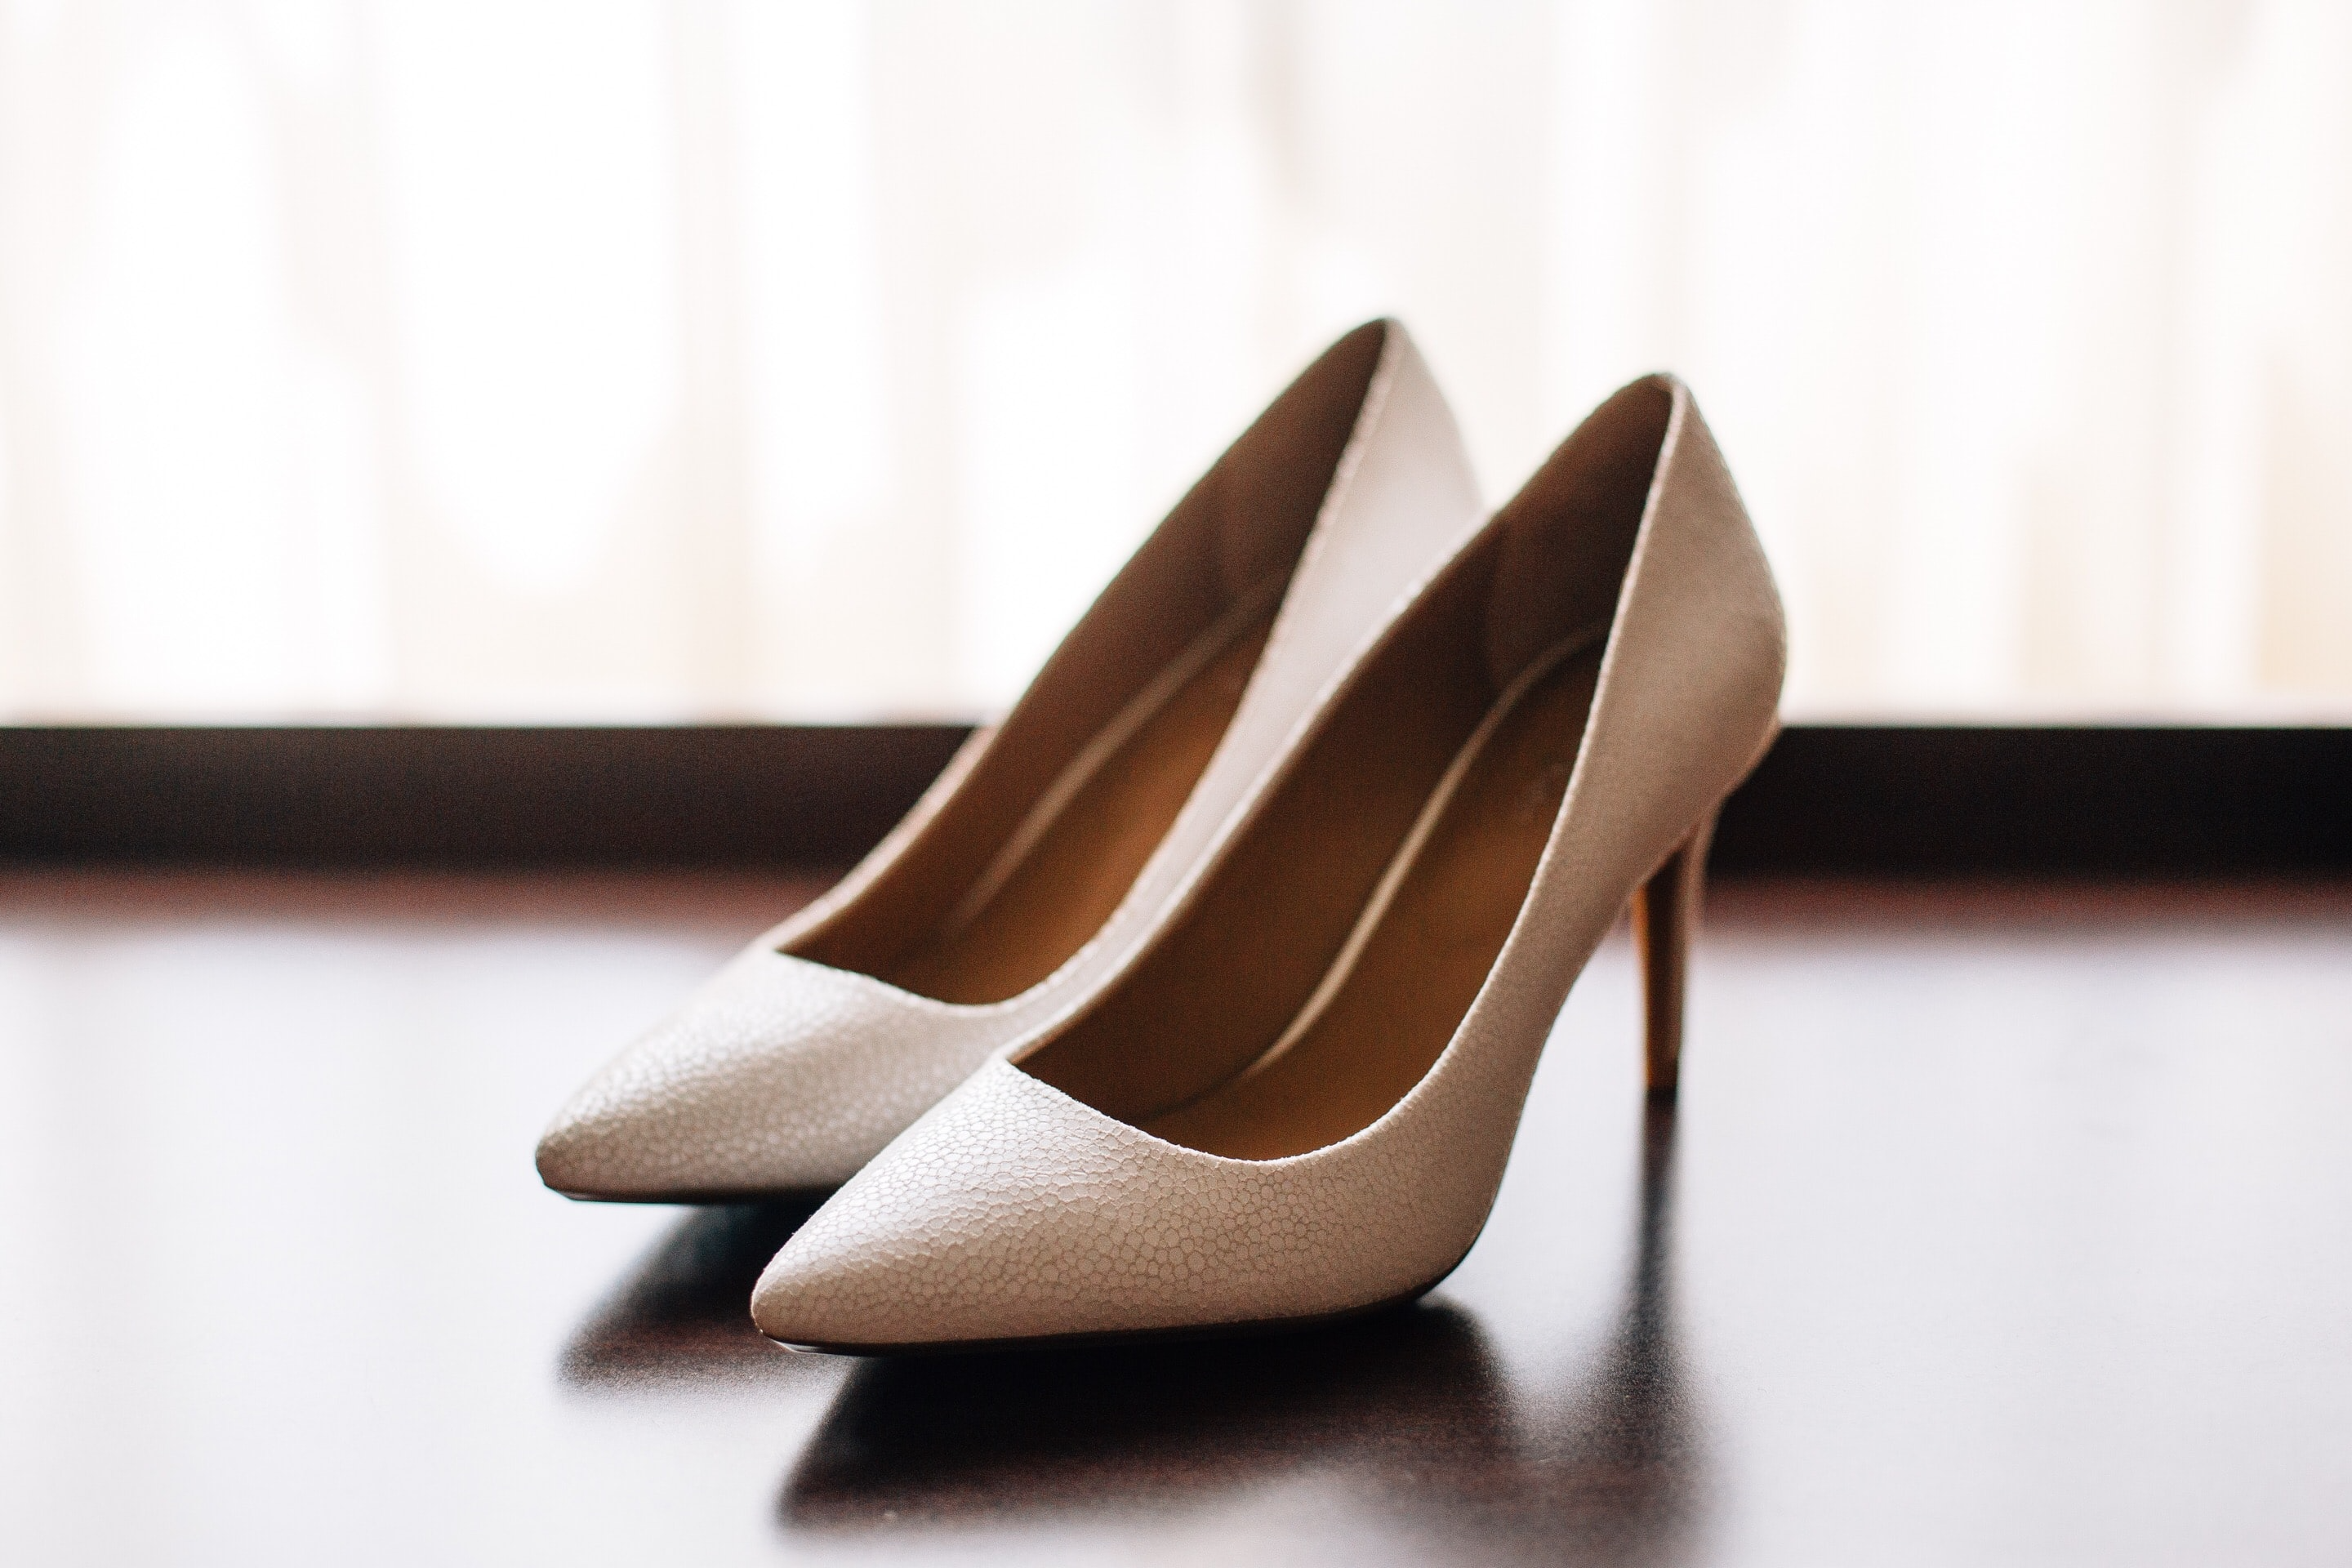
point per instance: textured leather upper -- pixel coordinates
(778, 1068)
(1012, 1210)
(785, 1075)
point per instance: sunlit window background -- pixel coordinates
(471, 360)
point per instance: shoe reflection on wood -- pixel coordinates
(1142, 1428)
(679, 1317)
(1408, 1412)
(1623, 1468)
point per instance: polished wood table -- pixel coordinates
(1998, 1224)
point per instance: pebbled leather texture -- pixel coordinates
(781, 1070)
(1012, 1210)
(784, 1075)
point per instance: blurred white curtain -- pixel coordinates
(808, 358)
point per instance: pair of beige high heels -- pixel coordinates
(1204, 991)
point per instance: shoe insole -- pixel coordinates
(1409, 972)
(1064, 872)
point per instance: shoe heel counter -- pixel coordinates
(1699, 494)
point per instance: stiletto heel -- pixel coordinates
(1666, 919)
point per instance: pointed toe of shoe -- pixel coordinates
(653, 1128)
(780, 1076)
(858, 1285)
(628, 1142)
(950, 1237)
(799, 1300)
(583, 1156)
(1013, 1213)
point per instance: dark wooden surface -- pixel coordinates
(1829, 799)
(1999, 1223)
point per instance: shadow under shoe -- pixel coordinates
(1619, 1465)
(678, 1317)
(1408, 1412)
(1138, 1429)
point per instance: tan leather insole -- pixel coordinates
(1218, 986)
(1065, 882)
(1409, 973)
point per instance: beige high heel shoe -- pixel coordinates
(1297, 1100)
(1055, 842)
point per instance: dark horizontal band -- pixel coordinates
(1828, 799)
